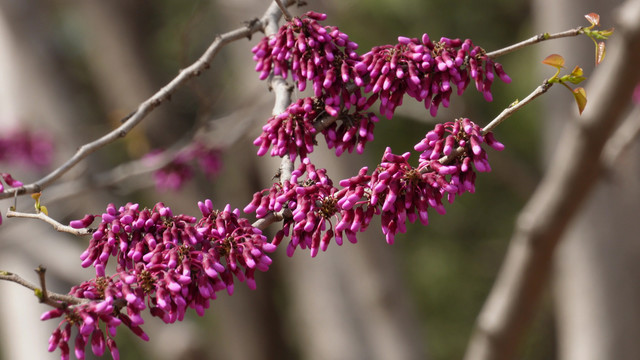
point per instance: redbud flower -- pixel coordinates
(173, 175)
(310, 52)
(426, 71)
(354, 131)
(177, 172)
(465, 138)
(164, 261)
(26, 147)
(312, 206)
(9, 180)
(291, 132)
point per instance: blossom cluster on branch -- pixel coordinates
(396, 190)
(26, 148)
(346, 84)
(180, 169)
(167, 263)
(22, 147)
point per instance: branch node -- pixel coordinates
(42, 295)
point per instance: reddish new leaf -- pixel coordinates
(593, 18)
(554, 60)
(600, 52)
(581, 98)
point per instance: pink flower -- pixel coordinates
(426, 71)
(167, 262)
(26, 147)
(310, 52)
(180, 170)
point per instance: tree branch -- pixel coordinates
(52, 299)
(572, 174)
(516, 106)
(282, 92)
(44, 217)
(534, 40)
(512, 109)
(624, 136)
(269, 20)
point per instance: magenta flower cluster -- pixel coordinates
(346, 85)
(168, 263)
(311, 204)
(396, 190)
(165, 262)
(292, 133)
(453, 138)
(426, 71)
(325, 57)
(9, 181)
(322, 55)
(105, 299)
(26, 148)
(180, 170)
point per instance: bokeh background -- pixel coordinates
(73, 69)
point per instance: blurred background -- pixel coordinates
(73, 69)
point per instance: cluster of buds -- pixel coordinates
(169, 263)
(105, 298)
(354, 131)
(460, 141)
(426, 71)
(180, 170)
(9, 181)
(25, 147)
(310, 203)
(322, 55)
(396, 190)
(291, 132)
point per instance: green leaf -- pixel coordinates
(554, 60)
(576, 76)
(600, 52)
(581, 98)
(577, 71)
(593, 18)
(606, 33)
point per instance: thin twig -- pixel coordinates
(285, 12)
(164, 94)
(497, 121)
(534, 40)
(516, 106)
(56, 225)
(41, 270)
(53, 299)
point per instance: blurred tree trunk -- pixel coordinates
(595, 282)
